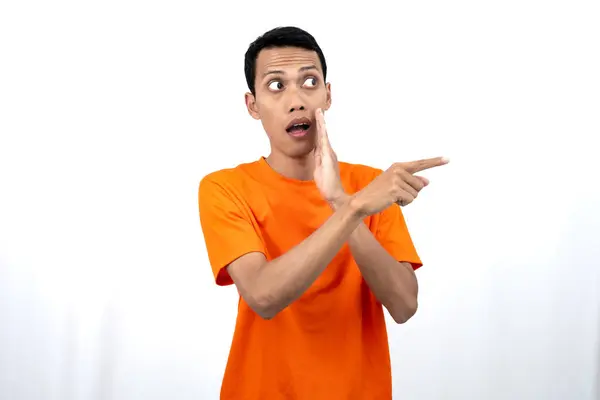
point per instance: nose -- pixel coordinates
(296, 101)
(296, 108)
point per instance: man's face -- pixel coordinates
(289, 88)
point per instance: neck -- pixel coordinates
(300, 168)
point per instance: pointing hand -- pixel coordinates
(397, 184)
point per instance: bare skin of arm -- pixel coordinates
(270, 286)
(393, 283)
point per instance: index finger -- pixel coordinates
(421, 165)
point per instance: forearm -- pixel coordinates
(392, 283)
(284, 279)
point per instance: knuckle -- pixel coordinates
(397, 167)
(402, 172)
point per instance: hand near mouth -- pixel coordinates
(327, 172)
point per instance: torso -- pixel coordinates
(329, 344)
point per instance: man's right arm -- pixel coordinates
(270, 286)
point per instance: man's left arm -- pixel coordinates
(392, 282)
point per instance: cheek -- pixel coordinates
(268, 116)
(319, 97)
(266, 106)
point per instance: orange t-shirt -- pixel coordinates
(332, 342)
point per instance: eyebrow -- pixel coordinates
(302, 69)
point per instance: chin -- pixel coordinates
(293, 147)
(300, 155)
(297, 151)
(300, 150)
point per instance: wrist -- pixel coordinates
(339, 201)
(348, 207)
(355, 203)
(348, 204)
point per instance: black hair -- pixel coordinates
(287, 36)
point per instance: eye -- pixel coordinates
(275, 85)
(311, 82)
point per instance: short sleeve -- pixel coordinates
(393, 234)
(227, 228)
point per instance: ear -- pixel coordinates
(328, 102)
(251, 105)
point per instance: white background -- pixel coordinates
(111, 112)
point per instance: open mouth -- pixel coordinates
(298, 127)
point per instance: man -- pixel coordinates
(315, 247)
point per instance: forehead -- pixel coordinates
(282, 58)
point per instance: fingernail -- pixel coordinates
(445, 159)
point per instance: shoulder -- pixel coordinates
(227, 180)
(227, 189)
(357, 175)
